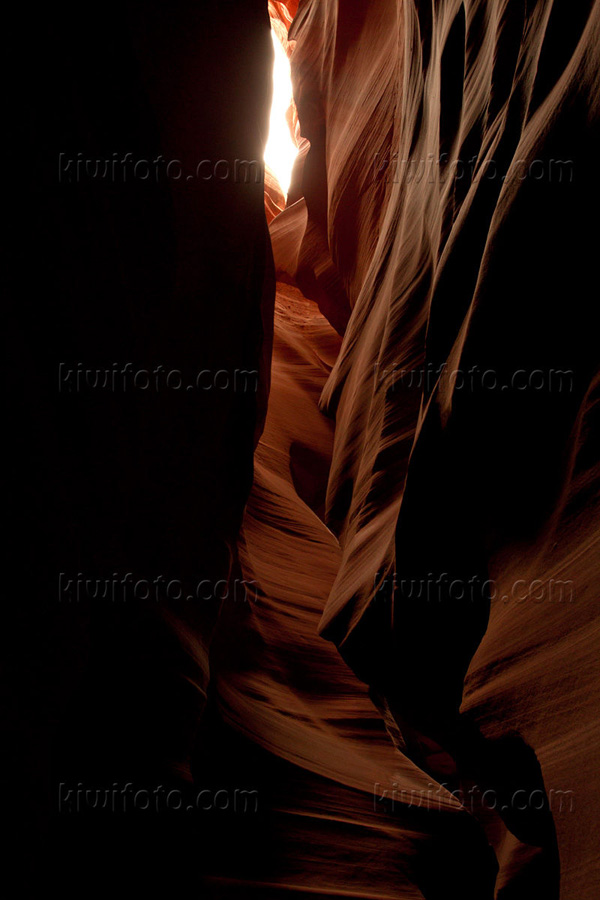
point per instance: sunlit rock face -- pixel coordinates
(274, 196)
(432, 226)
(286, 148)
(281, 149)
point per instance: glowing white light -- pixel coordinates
(280, 151)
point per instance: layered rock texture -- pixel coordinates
(426, 486)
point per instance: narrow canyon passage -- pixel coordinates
(319, 537)
(305, 364)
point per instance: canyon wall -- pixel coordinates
(417, 529)
(443, 224)
(137, 374)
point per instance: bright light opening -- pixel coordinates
(281, 150)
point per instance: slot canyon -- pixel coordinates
(304, 460)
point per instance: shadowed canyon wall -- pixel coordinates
(137, 370)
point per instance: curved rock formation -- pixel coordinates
(440, 510)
